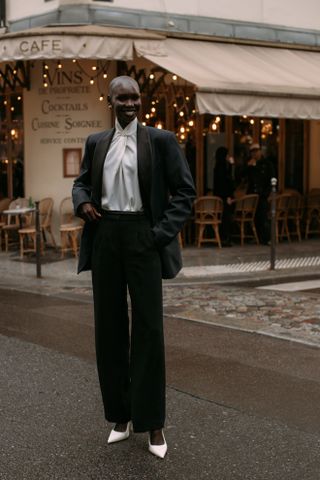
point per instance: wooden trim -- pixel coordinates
(229, 133)
(71, 162)
(282, 154)
(256, 130)
(199, 155)
(306, 155)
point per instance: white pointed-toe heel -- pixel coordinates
(119, 436)
(158, 450)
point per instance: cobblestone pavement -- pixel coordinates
(293, 316)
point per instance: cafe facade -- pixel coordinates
(209, 89)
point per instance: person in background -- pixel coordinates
(259, 172)
(135, 192)
(223, 187)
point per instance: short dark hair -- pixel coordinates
(122, 78)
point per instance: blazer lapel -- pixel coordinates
(144, 154)
(99, 157)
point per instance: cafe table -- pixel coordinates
(19, 211)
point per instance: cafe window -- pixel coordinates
(243, 136)
(11, 146)
(294, 153)
(269, 131)
(3, 21)
(214, 132)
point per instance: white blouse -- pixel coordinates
(120, 184)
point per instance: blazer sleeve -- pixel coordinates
(82, 188)
(181, 188)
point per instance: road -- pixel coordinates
(240, 405)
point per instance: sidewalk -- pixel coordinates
(234, 264)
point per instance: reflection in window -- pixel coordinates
(11, 146)
(294, 154)
(214, 131)
(269, 140)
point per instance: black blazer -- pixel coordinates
(166, 187)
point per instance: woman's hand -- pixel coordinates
(88, 212)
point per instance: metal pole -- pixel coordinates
(274, 182)
(38, 240)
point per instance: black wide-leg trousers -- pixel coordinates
(131, 362)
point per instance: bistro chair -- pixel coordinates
(282, 214)
(10, 229)
(244, 213)
(4, 205)
(208, 213)
(312, 212)
(295, 212)
(70, 228)
(27, 235)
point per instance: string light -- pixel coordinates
(151, 76)
(147, 115)
(91, 81)
(101, 97)
(174, 77)
(181, 113)
(59, 65)
(105, 75)
(94, 68)
(153, 110)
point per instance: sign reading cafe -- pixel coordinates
(15, 46)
